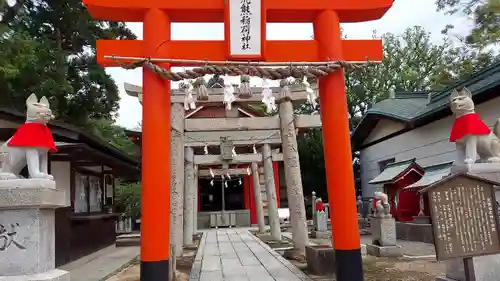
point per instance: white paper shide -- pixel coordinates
(245, 27)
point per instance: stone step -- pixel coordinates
(128, 242)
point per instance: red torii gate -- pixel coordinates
(326, 16)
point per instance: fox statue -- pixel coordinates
(470, 134)
(30, 144)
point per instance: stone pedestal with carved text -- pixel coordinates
(383, 238)
(27, 230)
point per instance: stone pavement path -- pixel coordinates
(102, 264)
(236, 254)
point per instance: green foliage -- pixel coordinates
(48, 48)
(412, 62)
(486, 18)
(128, 199)
(114, 135)
(312, 162)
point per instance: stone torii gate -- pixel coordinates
(326, 16)
(242, 132)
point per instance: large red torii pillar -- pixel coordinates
(326, 16)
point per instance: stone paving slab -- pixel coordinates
(102, 264)
(236, 254)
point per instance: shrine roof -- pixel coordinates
(84, 152)
(416, 109)
(452, 176)
(392, 172)
(432, 174)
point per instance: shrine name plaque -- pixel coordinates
(464, 217)
(226, 149)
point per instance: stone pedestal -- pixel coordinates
(421, 219)
(320, 259)
(27, 230)
(486, 268)
(383, 238)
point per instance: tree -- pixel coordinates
(486, 18)
(128, 199)
(114, 135)
(411, 63)
(62, 35)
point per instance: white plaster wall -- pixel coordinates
(429, 144)
(61, 173)
(384, 128)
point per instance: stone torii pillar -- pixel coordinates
(195, 200)
(293, 177)
(258, 199)
(177, 178)
(189, 174)
(272, 204)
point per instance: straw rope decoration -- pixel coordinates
(311, 71)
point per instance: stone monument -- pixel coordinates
(27, 232)
(474, 138)
(321, 225)
(320, 220)
(383, 229)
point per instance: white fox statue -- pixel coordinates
(30, 144)
(470, 133)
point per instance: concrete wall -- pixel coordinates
(61, 172)
(429, 144)
(384, 128)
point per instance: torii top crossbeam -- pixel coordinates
(215, 11)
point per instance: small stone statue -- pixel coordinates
(30, 143)
(320, 207)
(421, 205)
(383, 209)
(359, 205)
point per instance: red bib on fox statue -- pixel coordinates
(33, 135)
(469, 124)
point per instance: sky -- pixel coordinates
(404, 14)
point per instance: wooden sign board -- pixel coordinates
(245, 28)
(464, 217)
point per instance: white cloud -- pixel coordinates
(402, 15)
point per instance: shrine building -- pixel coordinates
(88, 169)
(404, 140)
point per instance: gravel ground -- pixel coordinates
(410, 248)
(381, 269)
